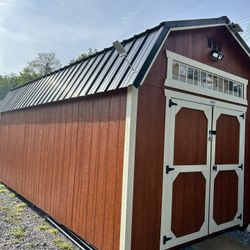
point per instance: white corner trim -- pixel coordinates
(191, 62)
(128, 169)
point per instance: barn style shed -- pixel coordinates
(150, 158)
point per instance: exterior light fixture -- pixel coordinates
(120, 49)
(217, 55)
(123, 53)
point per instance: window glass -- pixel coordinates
(236, 89)
(203, 79)
(190, 75)
(209, 81)
(197, 74)
(221, 89)
(226, 86)
(215, 83)
(175, 70)
(231, 87)
(183, 72)
(241, 90)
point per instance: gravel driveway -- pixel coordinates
(22, 228)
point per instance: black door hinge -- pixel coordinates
(241, 166)
(212, 132)
(165, 239)
(171, 103)
(242, 115)
(168, 169)
(239, 217)
(214, 167)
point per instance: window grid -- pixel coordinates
(201, 78)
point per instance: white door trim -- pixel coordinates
(128, 169)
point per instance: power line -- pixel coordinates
(243, 18)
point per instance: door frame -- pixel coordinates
(199, 100)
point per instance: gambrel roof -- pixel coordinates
(106, 70)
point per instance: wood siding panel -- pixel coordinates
(148, 169)
(67, 159)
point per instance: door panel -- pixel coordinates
(226, 185)
(227, 158)
(186, 193)
(187, 188)
(190, 142)
(227, 140)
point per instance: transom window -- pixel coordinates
(190, 75)
(195, 76)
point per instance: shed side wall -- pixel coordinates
(67, 159)
(151, 122)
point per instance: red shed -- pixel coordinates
(144, 157)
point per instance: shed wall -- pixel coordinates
(151, 124)
(67, 159)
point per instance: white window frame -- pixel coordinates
(170, 82)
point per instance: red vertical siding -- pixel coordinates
(67, 159)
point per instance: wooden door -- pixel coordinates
(186, 173)
(227, 164)
(203, 171)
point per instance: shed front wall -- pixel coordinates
(67, 159)
(151, 124)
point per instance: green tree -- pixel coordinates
(43, 64)
(84, 55)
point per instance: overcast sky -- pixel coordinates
(71, 27)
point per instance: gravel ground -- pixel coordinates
(22, 228)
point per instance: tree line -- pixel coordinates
(43, 64)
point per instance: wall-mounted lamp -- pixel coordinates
(217, 55)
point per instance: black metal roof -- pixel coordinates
(103, 71)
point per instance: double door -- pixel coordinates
(203, 169)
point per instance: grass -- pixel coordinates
(12, 195)
(3, 190)
(62, 244)
(53, 231)
(30, 245)
(20, 207)
(18, 232)
(43, 227)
